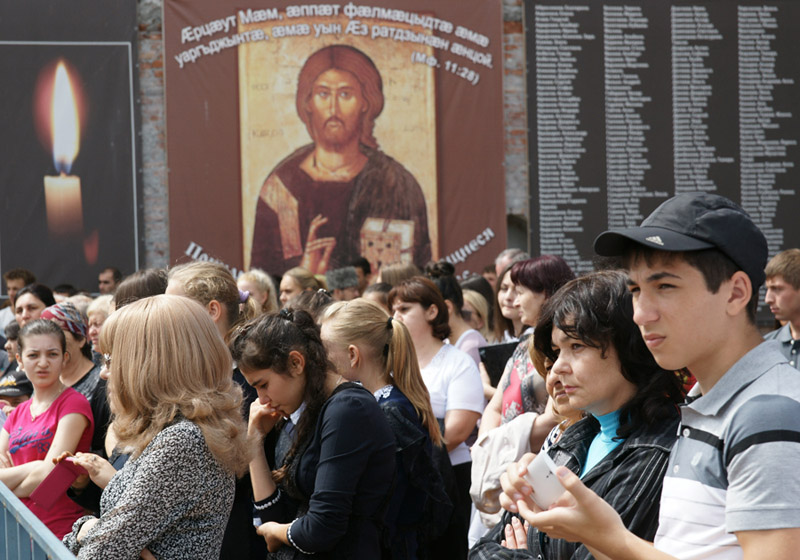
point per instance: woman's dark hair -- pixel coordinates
(139, 285)
(478, 283)
(545, 273)
(381, 290)
(502, 324)
(265, 343)
(597, 309)
(421, 290)
(11, 331)
(42, 326)
(442, 274)
(40, 292)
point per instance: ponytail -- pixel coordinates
(403, 367)
(389, 343)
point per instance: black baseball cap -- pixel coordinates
(15, 384)
(692, 222)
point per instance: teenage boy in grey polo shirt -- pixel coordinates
(731, 489)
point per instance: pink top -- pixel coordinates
(30, 440)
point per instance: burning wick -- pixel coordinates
(63, 192)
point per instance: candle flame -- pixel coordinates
(65, 121)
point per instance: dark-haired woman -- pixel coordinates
(31, 301)
(329, 496)
(462, 335)
(621, 449)
(453, 381)
(55, 420)
(79, 371)
(520, 389)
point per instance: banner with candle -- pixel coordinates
(69, 127)
(399, 159)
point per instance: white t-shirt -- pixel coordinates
(454, 383)
(469, 342)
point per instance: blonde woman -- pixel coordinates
(178, 411)
(97, 313)
(213, 287)
(368, 346)
(476, 306)
(261, 288)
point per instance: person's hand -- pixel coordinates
(100, 470)
(85, 528)
(6, 407)
(515, 487)
(272, 533)
(579, 515)
(146, 555)
(516, 534)
(262, 418)
(317, 253)
(5, 460)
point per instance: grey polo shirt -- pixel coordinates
(734, 466)
(789, 346)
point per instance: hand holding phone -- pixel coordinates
(542, 477)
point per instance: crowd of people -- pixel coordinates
(394, 413)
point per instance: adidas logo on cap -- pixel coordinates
(655, 239)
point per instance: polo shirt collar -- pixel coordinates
(750, 367)
(785, 334)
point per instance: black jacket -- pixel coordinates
(629, 479)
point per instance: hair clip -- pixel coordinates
(286, 314)
(243, 295)
(324, 291)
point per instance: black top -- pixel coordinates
(93, 387)
(629, 478)
(344, 475)
(419, 505)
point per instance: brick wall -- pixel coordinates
(154, 163)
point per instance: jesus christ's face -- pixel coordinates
(336, 108)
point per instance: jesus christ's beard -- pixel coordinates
(337, 138)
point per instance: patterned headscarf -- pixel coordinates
(68, 317)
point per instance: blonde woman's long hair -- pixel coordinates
(168, 363)
(365, 322)
(205, 281)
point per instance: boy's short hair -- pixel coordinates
(23, 274)
(707, 231)
(785, 264)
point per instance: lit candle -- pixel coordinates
(63, 192)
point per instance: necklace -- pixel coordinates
(42, 408)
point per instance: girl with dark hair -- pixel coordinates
(79, 371)
(30, 302)
(367, 345)
(462, 335)
(453, 381)
(55, 420)
(621, 448)
(330, 494)
(520, 389)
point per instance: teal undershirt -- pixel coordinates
(604, 442)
